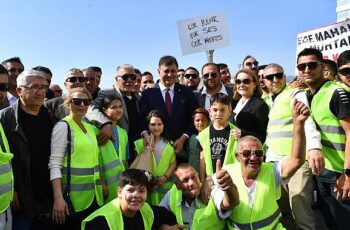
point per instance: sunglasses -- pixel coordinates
(244, 81)
(4, 87)
(194, 76)
(312, 65)
(275, 75)
(207, 75)
(250, 64)
(126, 76)
(78, 101)
(248, 153)
(345, 71)
(75, 79)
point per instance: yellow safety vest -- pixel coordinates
(264, 213)
(204, 218)
(230, 155)
(114, 217)
(6, 175)
(157, 193)
(85, 184)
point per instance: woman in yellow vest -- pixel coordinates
(85, 185)
(163, 156)
(115, 153)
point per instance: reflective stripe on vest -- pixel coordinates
(258, 224)
(280, 126)
(4, 188)
(114, 217)
(85, 184)
(332, 134)
(204, 140)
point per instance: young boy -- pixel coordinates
(129, 211)
(216, 141)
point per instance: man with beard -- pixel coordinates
(192, 78)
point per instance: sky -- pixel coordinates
(107, 33)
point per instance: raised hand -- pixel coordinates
(300, 111)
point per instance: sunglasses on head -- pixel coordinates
(193, 75)
(4, 87)
(207, 75)
(244, 81)
(312, 65)
(75, 79)
(78, 101)
(248, 153)
(275, 75)
(256, 63)
(127, 76)
(345, 71)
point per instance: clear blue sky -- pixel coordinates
(75, 33)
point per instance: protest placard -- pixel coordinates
(203, 33)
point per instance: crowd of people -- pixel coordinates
(242, 151)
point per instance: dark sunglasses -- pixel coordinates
(345, 71)
(248, 153)
(272, 76)
(256, 63)
(78, 101)
(127, 76)
(75, 79)
(4, 87)
(244, 81)
(207, 75)
(193, 75)
(312, 65)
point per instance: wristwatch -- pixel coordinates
(347, 172)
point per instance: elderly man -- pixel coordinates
(183, 199)
(259, 183)
(73, 78)
(14, 67)
(28, 127)
(192, 78)
(6, 175)
(212, 85)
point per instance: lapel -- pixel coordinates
(18, 128)
(125, 111)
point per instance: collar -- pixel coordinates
(196, 202)
(222, 90)
(163, 88)
(309, 91)
(10, 96)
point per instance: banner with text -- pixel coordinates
(203, 33)
(331, 40)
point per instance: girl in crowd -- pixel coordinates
(163, 155)
(201, 120)
(250, 112)
(85, 189)
(115, 153)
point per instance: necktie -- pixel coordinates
(168, 101)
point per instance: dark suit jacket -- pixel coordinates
(253, 118)
(183, 105)
(4, 104)
(201, 97)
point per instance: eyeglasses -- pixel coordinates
(345, 71)
(248, 153)
(244, 81)
(207, 75)
(37, 88)
(4, 87)
(75, 79)
(194, 76)
(275, 75)
(126, 76)
(250, 64)
(312, 65)
(78, 101)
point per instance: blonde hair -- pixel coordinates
(69, 95)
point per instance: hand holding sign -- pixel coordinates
(223, 178)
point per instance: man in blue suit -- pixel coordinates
(176, 101)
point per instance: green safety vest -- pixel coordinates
(264, 213)
(6, 175)
(85, 184)
(230, 155)
(332, 134)
(157, 193)
(114, 217)
(205, 216)
(280, 126)
(342, 85)
(113, 163)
